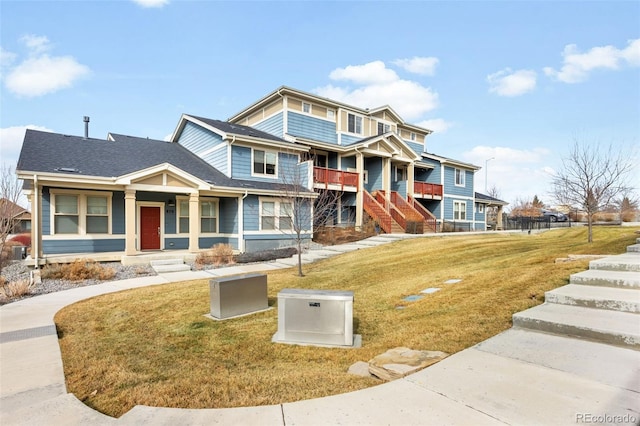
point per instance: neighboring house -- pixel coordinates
(222, 181)
(15, 219)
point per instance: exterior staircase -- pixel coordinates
(601, 304)
(169, 265)
(405, 217)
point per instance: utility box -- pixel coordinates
(19, 252)
(239, 295)
(315, 317)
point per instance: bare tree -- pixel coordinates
(592, 177)
(494, 192)
(300, 207)
(10, 191)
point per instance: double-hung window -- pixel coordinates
(97, 215)
(354, 124)
(208, 217)
(276, 215)
(460, 177)
(264, 162)
(80, 213)
(67, 217)
(460, 210)
(383, 128)
(306, 107)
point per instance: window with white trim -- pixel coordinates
(480, 208)
(413, 136)
(383, 128)
(331, 114)
(208, 217)
(67, 217)
(354, 124)
(265, 162)
(306, 107)
(80, 213)
(460, 175)
(459, 210)
(208, 211)
(183, 216)
(276, 215)
(399, 173)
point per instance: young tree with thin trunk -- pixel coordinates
(10, 191)
(592, 176)
(300, 207)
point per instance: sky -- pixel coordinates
(508, 86)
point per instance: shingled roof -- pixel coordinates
(45, 152)
(238, 129)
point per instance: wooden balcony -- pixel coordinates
(335, 179)
(427, 190)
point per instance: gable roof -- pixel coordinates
(121, 155)
(237, 129)
(487, 199)
(11, 209)
(450, 161)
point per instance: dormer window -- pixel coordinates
(306, 108)
(383, 128)
(331, 114)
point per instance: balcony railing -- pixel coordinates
(427, 190)
(326, 177)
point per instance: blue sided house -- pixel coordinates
(250, 181)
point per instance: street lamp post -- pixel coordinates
(486, 172)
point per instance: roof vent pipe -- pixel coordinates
(86, 127)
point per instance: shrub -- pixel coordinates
(78, 270)
(219, 254)
(263, 256)
(628, 216)
(22, 239)
(13, 289)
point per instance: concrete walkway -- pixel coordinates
(533, 373)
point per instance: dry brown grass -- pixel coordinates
(219, 254)
(153, 346)
(14, 289)
(78, 270)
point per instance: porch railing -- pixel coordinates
(397, 214)
(429, 218)
(323, 175)
(427, 190)
(377, 212)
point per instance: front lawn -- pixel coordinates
(153, 346)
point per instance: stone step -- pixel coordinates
(621, 262)
(160, 269)
(595, 277)
(615, 299)
(611, 327)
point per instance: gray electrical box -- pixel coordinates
(317, 317)
(239, 295)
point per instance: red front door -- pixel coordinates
(149, 228)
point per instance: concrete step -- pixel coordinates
(634, 248)
(611, 327)
(604, 278)
(169, 265)
(615, 299)
(621, 262)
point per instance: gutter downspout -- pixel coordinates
(241, 242)
(36, 223)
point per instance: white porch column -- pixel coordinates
(241, 244)
(130, 222)
(360, 193)
(386, 176)
(194, 222)
(410, 178)
(499, 224)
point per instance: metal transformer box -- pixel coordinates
(239, 295)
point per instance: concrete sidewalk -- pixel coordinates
(522, 376)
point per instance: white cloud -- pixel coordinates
(44, 74)
(151, 3)
(512, 83)
(437, 125)
(418, 65)
(378, 86)
(36, 44)
(11, 142)
(577, 66)
(41, 73)
(371, 73)
(6, 58)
